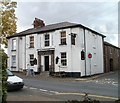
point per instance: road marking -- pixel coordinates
(33, 88)
(81, 94)
(105, 97)
(90, 95)
(54, 92)
(43, 90)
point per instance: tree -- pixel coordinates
(7, 19)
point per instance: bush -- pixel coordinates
(3, 66)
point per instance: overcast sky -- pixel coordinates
(100, 16)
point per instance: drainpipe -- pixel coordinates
(71, 52)
(85, 49)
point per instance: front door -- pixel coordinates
(46, 62)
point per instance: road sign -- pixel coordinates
(89, 55)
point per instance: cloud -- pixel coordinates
(100, 16)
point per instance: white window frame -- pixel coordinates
(63, 58)
(13, 44)
(13, 60)
(46, 40)
(62, 38)
(31, 59)
(31, 42)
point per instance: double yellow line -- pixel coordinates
(89, 95)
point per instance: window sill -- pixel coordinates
(46, 46)
(13, 50)
(31, 47)
(13, 66)
(62, 44)
(63, 66)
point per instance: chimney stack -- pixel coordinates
(38, 23)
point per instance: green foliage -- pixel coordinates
(3, 61)
(7, 19)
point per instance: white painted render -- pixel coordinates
(119, 40)
(93, 44)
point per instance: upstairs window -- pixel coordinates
(13, 44)
(63, 38)
(63, 59)
(47, 39)
(13, 60)
(31, 59)
(31, 41)
(73, 36)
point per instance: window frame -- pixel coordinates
(63, 40)
(14, 61)
(31, 39)
(72, 40)
(31, 59)
(47, 40)
(13, 44)
(63, 58)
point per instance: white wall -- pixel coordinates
(78, 65)
(31, 51)
(62, 48)
(74, 63)
(22, 53)
(10, 53)
(94, 45)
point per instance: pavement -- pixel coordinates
(45, 76)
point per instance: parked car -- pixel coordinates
(14, 82)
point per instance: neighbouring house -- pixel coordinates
(62, 47)
(111, 57)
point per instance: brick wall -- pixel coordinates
(111, 57)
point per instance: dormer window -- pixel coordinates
(31, 41)
(63, 38)
(47, 39)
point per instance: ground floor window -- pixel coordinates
(31, 59)
(13, 60)
(63, 58)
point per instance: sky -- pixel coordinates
(100, 16)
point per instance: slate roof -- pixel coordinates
(51, 27)
(108, 44)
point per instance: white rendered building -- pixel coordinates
(57, 47)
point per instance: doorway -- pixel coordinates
(111, 64)
(46, 63)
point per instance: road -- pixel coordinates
(104, 88)
(74, 87)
